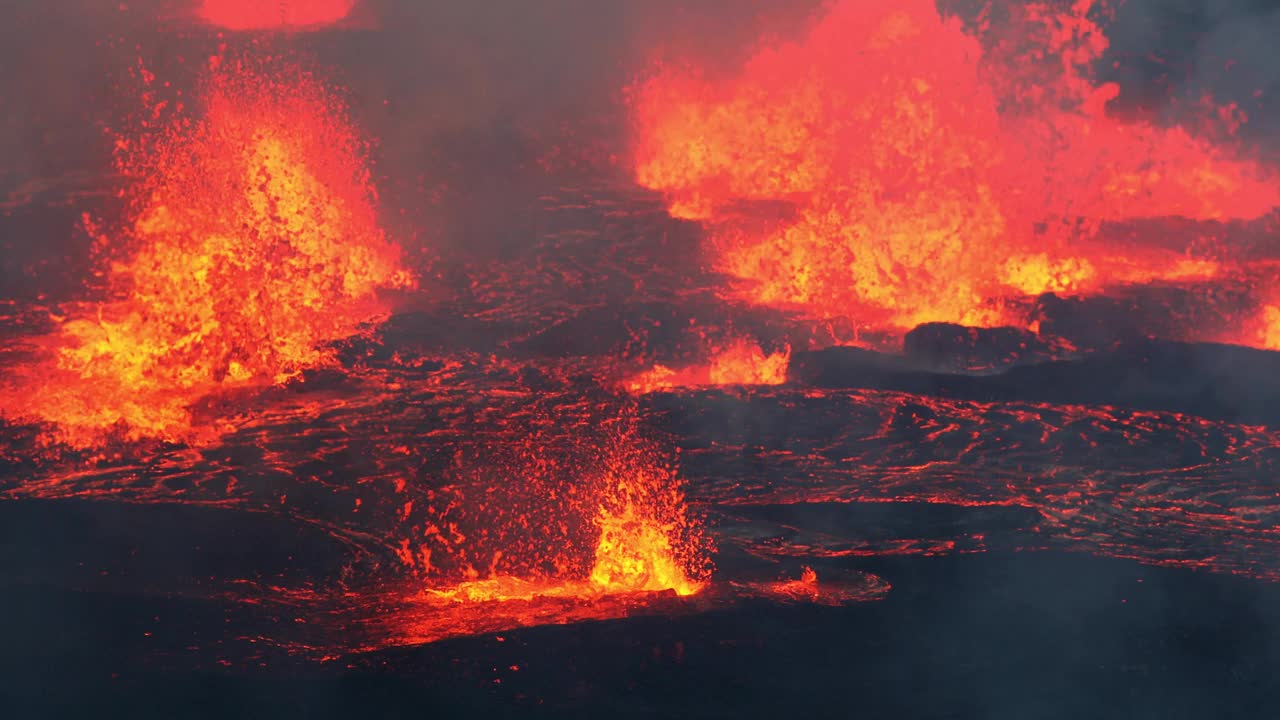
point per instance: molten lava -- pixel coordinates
(255, 241)
(273, 14)
(739, 363)
(645, 540)
(647, 543)
(927, 177)
(646, 546)
(478, 469)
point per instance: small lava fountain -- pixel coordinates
(647, 549)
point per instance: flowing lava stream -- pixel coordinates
(892, 167)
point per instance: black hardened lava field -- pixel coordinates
(640, 358)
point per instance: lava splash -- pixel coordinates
(892, 166)
(633, 503)
(253, 240)
(615, 537)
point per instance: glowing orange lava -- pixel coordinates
(741, 362)
(1270, 330)
(805, 587)
(255, 241)
(273, 14)
(646, 546)
(635, 554)
(928, 178)
(646, 541)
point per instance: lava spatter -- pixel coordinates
(621, 523)
(251, 241)
(929, 176)
(646, 547)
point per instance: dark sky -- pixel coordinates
(447, 66)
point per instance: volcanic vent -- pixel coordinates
(252, 241)
(899, 286)
(932, 172)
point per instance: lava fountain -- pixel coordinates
(641, 547)
(924, 174)
(601, 512)
(252, 241)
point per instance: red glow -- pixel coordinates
(274, 14)
(929, 177)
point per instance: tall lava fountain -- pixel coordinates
(929, 175)
(252, 240)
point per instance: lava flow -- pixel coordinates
(489, 463)
(252, 240)
(890, 167)
(274, 15)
